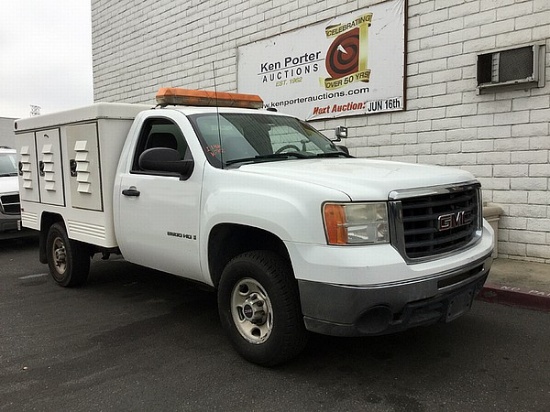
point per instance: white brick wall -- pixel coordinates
(503, 138)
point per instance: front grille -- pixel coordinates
(9, 204)
(433, 224)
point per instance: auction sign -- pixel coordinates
(351, 65)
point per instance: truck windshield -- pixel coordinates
(8, 164)
(233, 138)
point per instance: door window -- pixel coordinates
(160, 132)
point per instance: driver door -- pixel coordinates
(159, 212)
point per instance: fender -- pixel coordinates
(231, 196)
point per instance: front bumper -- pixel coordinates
(387, 308)
(11, 228)
(9, 223)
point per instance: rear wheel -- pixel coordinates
(68, 260)
(259, 308)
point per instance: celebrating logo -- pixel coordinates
(347, 57)
(343, 55)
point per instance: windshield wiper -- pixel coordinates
(261, 158)
(8, 174)
(333, 154)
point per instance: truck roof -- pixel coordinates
(127, 111)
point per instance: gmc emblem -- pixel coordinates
(452, 220)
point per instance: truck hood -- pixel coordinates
(9, 184)
(360, 179)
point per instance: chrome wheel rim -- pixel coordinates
(59, 254)
(252, 311)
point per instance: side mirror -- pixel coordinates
(340, 133)
(162, 159)
(343, 149)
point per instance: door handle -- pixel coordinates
(132, 191)
(72, 167)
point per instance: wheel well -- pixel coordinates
(47, 219)
(229, 240)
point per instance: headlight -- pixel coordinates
(356, 223)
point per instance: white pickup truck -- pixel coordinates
(293, 233)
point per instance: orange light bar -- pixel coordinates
(186, 97)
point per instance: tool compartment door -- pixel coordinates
(28, 168)
(49, 167)
(84, 162)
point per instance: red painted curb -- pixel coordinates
(516, 296)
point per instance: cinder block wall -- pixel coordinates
(502, 138)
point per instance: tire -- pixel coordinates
(68, 260)
(259, 307)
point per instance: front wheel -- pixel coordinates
(68, 259)
(259, 308)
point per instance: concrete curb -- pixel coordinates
(515, 296)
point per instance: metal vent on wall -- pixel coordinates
(82, 167)
(26, 167)
(47, 167)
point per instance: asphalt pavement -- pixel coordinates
(134, 339)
